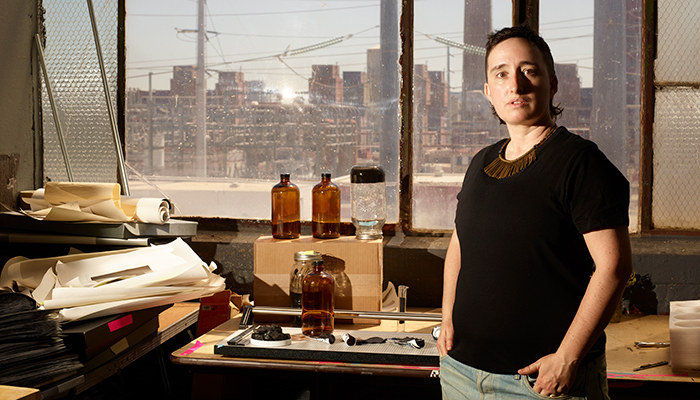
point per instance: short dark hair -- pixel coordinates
(523, 31)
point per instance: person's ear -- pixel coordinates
(487, 92)
(553, 86)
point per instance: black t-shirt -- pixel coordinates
(525, 265)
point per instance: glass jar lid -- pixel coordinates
(308, 255)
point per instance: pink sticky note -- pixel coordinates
(192, 349)
(120, 323)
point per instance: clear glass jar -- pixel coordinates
(368, 198)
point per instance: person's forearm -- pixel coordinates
(451, 273)
(593, 315)
(612, 255)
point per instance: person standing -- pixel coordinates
(540, 253)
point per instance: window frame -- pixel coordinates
(523, 11)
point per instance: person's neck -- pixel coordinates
(524, 138)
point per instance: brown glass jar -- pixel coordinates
(325, 209)
(286, 222)
(317, 292)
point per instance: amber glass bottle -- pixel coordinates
(325, 209)
(317, 291)
(286, 222)
(303, 264)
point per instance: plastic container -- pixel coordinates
(684, 330)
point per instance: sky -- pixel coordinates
(252, 36)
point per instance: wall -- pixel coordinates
(19, 101)
(668, 268)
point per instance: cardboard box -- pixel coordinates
(214, 310)
(148, 329)
(355, 264)
(91, 337)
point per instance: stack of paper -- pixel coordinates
(105, 283)
(32, 350)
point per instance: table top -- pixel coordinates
(622, 354)
(200, 352)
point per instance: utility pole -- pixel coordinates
(389, 101)
(149, 144)
(201, 139)
(449, 88)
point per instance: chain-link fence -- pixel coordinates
(676, 132)
(76, 81)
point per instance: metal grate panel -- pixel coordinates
(676, 132)
(678, 49)
(76, 81)
(676, 204)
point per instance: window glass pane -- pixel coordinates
(452, 117)
(78, 91)
(599, 89)
(596, 46)
(678, 42)
(293, 86)
(676, 133)
(676, 140)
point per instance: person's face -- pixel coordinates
(518, 84)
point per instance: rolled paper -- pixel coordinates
(327, 339)
(436, 332)
(147, 209)
(76, 201)
(348, 339)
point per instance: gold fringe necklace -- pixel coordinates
(501, 168)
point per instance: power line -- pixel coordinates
(220, 49)
(566, 21)
(259, 13)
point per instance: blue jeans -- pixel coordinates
(461, 381)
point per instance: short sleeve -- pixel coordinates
(598, 194)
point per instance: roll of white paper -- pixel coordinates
(150, 210)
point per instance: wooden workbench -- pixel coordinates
(623, 356)
(236, 372)
(200, 353)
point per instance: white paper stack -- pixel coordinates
(105, 283)
(684, 328)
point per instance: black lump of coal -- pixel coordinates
(269, 333)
